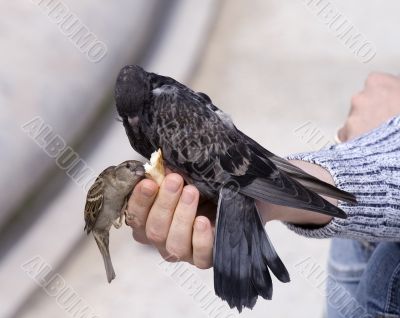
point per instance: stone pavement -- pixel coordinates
(276, 68)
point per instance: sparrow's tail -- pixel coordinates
(102, 240)
(243, 253)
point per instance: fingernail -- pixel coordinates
(200, 225)
(147, 190)
(173, 183)
(187, 196)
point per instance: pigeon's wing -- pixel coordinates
(186, 128)
(260, 179)
(94, 201)
(201, 140)
(298, 174)
(283, 190)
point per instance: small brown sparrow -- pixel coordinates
(106, 203)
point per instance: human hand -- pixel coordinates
(374, 105)
(166, 218)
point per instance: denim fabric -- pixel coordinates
(364, 279)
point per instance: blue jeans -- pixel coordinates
(364, 280)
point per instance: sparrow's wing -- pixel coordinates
(94, 201)
(200, 139)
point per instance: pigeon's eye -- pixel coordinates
(128, 165)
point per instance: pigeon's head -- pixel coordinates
(131, 90)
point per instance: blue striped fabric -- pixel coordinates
(369, 167)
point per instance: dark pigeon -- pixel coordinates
(201, 142)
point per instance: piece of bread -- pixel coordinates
(155, 169)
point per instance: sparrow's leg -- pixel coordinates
(118, 224)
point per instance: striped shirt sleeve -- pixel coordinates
(368, 167)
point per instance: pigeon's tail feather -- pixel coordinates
(102, 241)
(288, 192)
(243, 253)
(304, 178)
(312, 182)
(324, 188)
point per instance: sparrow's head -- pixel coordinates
(131, 90)
(130, 172)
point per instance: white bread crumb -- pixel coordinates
(155, 169)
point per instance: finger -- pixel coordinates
(140, 237)
(140, 202)
(139, 205)
(179, 241)
(375, 79)
(161, 213)
(341, 135)
(203, 239)
(359, 102)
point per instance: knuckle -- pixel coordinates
(356, 101)
(201, 248)
(135, 205)
(164, 204)
(176, 252)
(154, 236)
(374, 78)
(136, 224)
(141, 202)
(183, 220)
(133, 218)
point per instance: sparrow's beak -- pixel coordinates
(139, 171)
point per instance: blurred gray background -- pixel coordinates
(279, 68)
